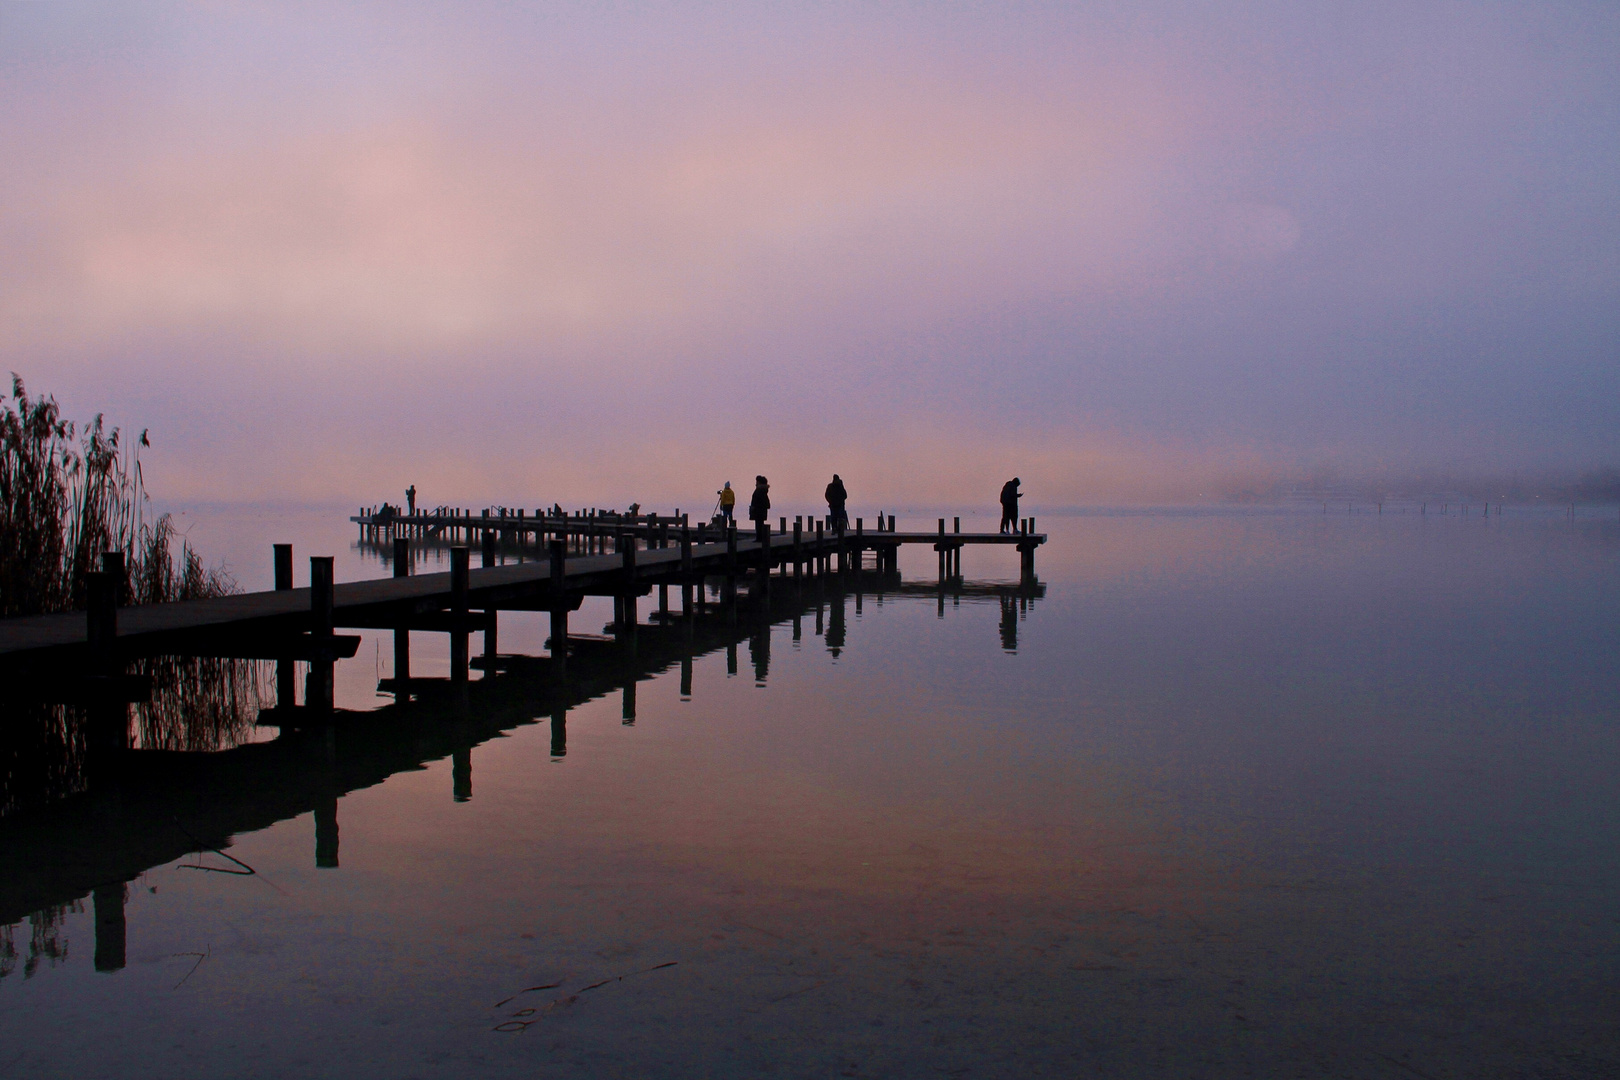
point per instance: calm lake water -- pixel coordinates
(1271, 794)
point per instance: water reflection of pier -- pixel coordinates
(141, 808)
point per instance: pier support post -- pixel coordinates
(627, 599)
(559, 607)
(402, 635)
(1026, 555)
(763, 534)
(460, 570)
(286, 669)
(729, 594)
(111, 929)
(686, 569)
(488, 546)
(101, 620)
(318, 687)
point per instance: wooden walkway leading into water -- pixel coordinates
(287, 622)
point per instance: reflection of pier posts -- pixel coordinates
(835, 622)
(461, 774)
(628, 712)
(460, 560)
(1009, 624)
(326, 821)
(559, 608)
(111, 929)
(759, 649)
(326, 833)
(402, 634)
(559, 731)
(731, 658)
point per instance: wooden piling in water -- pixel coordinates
(460, 560)
(318, 685)
(402, 634)
(559, 604)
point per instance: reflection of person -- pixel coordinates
(759, 507)
(836, 498)
(1009, 505)
(728, 501)
(410, 498)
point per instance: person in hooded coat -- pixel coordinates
(836, 498)
(759, 507)
(1009, 505)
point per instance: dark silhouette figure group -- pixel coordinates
(837, 496)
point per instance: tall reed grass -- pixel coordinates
(65, 498)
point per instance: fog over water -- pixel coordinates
(1137, 252)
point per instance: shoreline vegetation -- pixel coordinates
(68, 494)
(67, 497)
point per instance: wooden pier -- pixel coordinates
(528, 563)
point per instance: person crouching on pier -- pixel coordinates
(1009, 505)
(759, 508)
(837, 497)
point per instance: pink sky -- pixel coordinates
(524, 255)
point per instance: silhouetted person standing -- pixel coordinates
(1009, 505)
(728, 502)
(836, 498)
(410, 498)
(759, 507)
